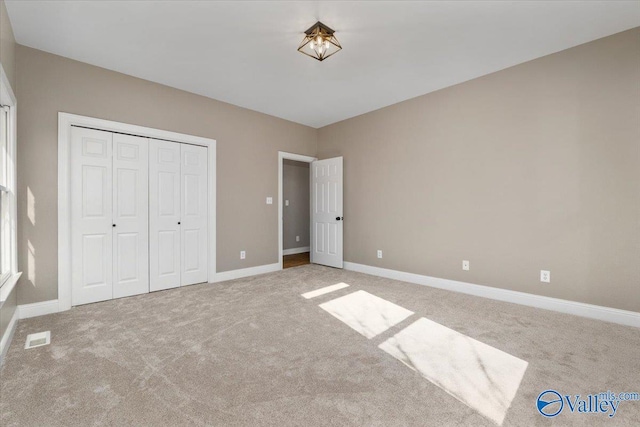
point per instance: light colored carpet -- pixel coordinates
(255, 352)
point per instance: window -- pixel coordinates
(4, 143)
(5, 237)
(5, 196)
(8, 255)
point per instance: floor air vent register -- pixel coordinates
(38, 340)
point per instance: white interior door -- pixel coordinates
(130, 215)
(194, 209)
(326, 212)
(164, 214)
(91, 214)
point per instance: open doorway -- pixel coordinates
(295, 213)
(294, 209)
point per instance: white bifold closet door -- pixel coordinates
(164, 214)
(130, 215)
(109, 211)
(178, 235)
(194, 207)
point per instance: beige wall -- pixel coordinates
(247, 165)
(7, 310)
(295, 188)
(533, 167)
(7, 45)
(7, 56)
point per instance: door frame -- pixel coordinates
(65, 122)
(282, 156)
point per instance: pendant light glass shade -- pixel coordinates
(319, 42)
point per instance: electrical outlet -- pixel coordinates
(243, 254)
(545, 276)
(379, 253)
(465, 265)
(286, 203)
(297, 238)
(269, 200)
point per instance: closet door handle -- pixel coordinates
(178, 222)
(113, 225)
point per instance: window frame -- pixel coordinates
(10, 277)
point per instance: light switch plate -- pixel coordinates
(243, 254)
(269, 200)
(286, 203)
(465, 265)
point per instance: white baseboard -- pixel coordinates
(48, 307)
(246, 272)
(38, 309)
(5, 342)
(623, 317)
(294, 251)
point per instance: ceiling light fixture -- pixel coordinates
(319, 42)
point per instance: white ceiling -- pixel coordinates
(245, 53)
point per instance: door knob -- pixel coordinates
(178, 222)
(113, 225)
(339, 218)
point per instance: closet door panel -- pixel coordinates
(194, 203)
(91, 214)
(164, 214)
(130, 215)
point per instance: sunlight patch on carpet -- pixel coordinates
(365, 313)
(482, 377)
(325, 290)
